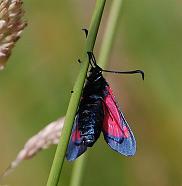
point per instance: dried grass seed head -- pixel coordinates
(11, 27)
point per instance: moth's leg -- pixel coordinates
(86, 31)
(79, 61)
(92, 59)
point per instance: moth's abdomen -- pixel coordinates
(90, 120)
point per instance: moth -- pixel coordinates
(98, 112)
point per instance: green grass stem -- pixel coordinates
(78, 170)
(75, 97)
(111, 28)
(105, 51)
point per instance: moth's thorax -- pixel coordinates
(95, 84)
(94, 74)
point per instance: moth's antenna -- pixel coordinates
(127, 72)
(93, 63)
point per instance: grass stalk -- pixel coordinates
(56, 168)
(111, 28)
(105, 51)
(78, 170)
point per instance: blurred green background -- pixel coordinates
(35, 90)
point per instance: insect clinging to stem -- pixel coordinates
(98, 112)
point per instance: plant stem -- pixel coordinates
(78, 170)
(108, 38)
(75, 98)
(105, 51)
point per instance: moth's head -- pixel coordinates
(95, 73)
(96, 70)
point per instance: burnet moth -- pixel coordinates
(98, 111)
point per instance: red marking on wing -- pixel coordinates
(113, 123)
(126, 132)
(76, 135)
